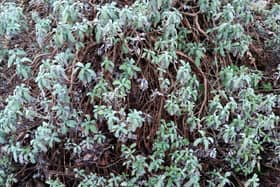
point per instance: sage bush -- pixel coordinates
(139, 93)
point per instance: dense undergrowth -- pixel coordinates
(140, 93)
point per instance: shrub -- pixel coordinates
(138, 93)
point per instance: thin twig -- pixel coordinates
(199, 28)
(190, 14)
(73, 73)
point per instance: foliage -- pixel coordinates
(138, 93)
(12, 19)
